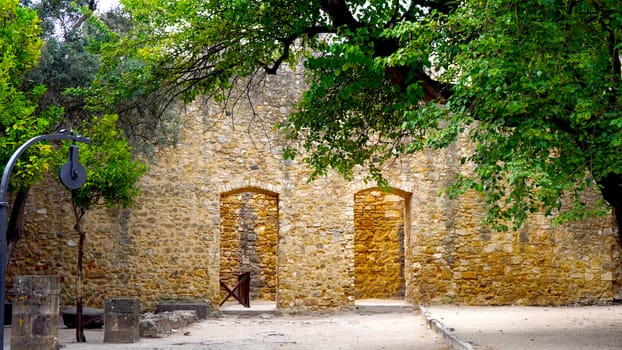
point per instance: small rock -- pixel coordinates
(149, 328)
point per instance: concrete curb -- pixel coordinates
(439, 328)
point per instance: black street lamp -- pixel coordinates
(72, 175)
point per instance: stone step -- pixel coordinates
(251, 313)
(259, 308)
(384, 308)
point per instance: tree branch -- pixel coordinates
(287, 43)
(340, 14)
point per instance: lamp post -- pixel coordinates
(72, 175)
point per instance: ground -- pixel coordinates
(531, 327)
(267, 332)
(465, 327)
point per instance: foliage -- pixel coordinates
(542, 79)
(111, 172)
(65, 61)
(19, 50)
(73, 34)
(146, 116)
(111, 169)
(536, 84)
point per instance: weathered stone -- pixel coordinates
(150, 328)
(202, 310)
(249, 229)
(35, 313)
(163, 324)
(122, 317)
(378, 245)
(607, 276)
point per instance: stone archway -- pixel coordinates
(381, 231)
(249, 240)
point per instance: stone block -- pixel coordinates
(122, 316)
(470, 275)
(35, 313)
(150, 328)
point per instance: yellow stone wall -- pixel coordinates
(168, 246)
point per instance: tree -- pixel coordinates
(65, 60)
(111, 175)
(72, 33)
(146, 118)
(535, 84)
(45, 45)
(542, 79)
(49, 51)
(28, 108)
(34, 102)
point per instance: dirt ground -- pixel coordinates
(264, 332)
(530, 327)
(468, 327)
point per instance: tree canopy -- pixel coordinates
(65, 61)
(535, 84)
(72, 34)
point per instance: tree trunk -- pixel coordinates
(80, 338)
(15, 226)
(611, 188)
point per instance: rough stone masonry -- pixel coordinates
(224, 202)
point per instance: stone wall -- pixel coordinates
(169, 245)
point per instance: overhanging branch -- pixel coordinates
(287, 44)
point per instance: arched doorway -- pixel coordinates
(381, 230)
(249, 240)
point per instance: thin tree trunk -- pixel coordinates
(79, 214)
